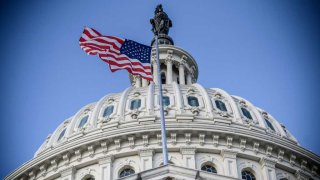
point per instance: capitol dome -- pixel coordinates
(210, 134)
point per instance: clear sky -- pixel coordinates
(265, 51)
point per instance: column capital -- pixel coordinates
(106, 159)
(226, 153)
(168, 61)
(146, 152)
(184, 58)
(188, 150)
(267, 162)
(182, 63)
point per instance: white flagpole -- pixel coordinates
(163, 123)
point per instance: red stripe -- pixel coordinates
(124, 58)
(121, 41)
(140, 69)
(126, 64)
(82, 39)
(96, 32)
(93, 45)
(100, 40)
(120, 67)
(103, 51)
(130, 71)
(86, 32)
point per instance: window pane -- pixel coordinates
(165, 100)
(247, 175)
(220, 105)
(193, 101)
(126, 172)
(83, 121)
(135, 104)
(209, 168)
(108, 111)
(269, 124)
(61, 134)
(246, 113)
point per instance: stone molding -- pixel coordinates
(226, 153)
(188, 150)
(146, 152)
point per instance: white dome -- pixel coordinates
(149, 111)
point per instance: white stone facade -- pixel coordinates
(229, 140)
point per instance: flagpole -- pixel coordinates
(163, 123)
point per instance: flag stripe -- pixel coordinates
(134, 64)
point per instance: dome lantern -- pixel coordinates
(177, 65)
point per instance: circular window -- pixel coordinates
(248, 175)
(126, 172)
(209, 169)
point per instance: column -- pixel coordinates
(169, 71)
(155, 72)
(144, 82)
(137, 81)
(68, 174)
(146, 156)
(181, 72)
(106, 167)
(189, 79)
(268, 169)
(230, 163)
(188, 157)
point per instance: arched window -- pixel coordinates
(88, 177)
(135, 104)
(83, 122)
(220, 105)
(163, 78)
(246, 113)
(61, 135)
(126, 172)
(165, 100)
(248, 175)
(269, 124)
(209, 168)
(108, 111)
(193, 101)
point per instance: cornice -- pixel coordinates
(116, 136)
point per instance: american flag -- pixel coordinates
(118, 53)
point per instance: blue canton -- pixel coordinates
(136, 50)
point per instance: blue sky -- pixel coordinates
(265, 51)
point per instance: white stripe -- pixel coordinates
(114, 67)
(110, 40)
(132, 60)
(133, 66)
(84, 36)
(127, 62)
(91, 31)
(100, 43)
